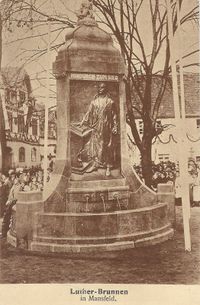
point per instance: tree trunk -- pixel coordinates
(144, 145)
(0, 40)
(130, 115)
(146, 163)
(148, 134)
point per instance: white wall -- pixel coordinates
(169, 149)
(28, 162)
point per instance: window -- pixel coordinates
(7, 95)
(42, 128)
(198, 159)
(198, 123)
(158, 124)
(20, 123)
(22, 97)
(10, 119)
(52, 130)
(22, 154)
(141, 127)
(34, 127)
(13, 97)
(33, 154)
(163, 157)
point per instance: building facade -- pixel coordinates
(52, 134)
(21, 121)
(164, 147)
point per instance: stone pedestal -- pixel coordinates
(88, 210)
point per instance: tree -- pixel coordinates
(29, 14)
(18, 14)
(123, 17)
(6, 10)
(26, 25)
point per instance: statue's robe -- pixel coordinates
(101, 117)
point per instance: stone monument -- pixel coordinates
(94, 200)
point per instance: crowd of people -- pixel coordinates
(166, 172)
(21, 179)
(15, 181)
(30, 178)
(163, 172)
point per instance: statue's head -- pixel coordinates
(102, 89)
(86, 11)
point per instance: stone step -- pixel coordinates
(97, 183)
(46, 247)
(138, 210)
(153, 240)
(90, 199)
(101, 188)
(101, 224)
(102, 206)
(100, 240)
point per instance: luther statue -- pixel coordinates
(100, 150)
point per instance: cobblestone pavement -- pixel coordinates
(166, 263)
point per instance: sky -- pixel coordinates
(24, 42)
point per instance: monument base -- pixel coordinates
(97, 217)
(67, 245)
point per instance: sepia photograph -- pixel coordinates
(99, 152)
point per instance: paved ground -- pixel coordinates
(166, 263)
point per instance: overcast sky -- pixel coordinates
(20, 45)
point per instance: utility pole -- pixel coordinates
(180, 129)
(183, 112)
(47, 103)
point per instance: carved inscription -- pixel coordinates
(94, 77)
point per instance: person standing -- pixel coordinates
(196, 190)
(12, 199)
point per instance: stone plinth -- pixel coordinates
(91, 209)
(22, 225)
(166, 194)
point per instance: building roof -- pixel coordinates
(14, 77)
(39, 107)
(192, 96)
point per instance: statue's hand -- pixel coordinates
(80, 124)
(109, 144)
(114, 130)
